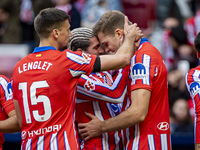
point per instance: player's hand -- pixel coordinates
(90, 129)
(132, 31)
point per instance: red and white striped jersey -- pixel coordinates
(93, 94)
(44, 83)
(193, 85)
(147, 71)
(192, 27)
(6, 102)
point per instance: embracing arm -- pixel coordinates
(123, 55)
(94, 90)
(136, 113)
(18, 112)
(10, 125)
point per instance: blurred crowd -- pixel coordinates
(170, 25)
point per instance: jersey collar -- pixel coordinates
(143, 40)
(43, 48)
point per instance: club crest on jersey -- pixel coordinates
(194, 88)
(114, 108)
(89, 85)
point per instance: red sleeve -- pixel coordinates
(6, 95)
(93, 90)
(142, 70)
(80, 63)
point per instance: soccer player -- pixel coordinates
(95, 90)
(45, 82)
(148, 114)
(8, 119)
(193, 85)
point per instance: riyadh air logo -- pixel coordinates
(139, 71)
(163, 126)
(23, 134)
(194, 88)
(114, 108)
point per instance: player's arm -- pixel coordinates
(10, 125)
(18, 112)
(136, 113)
(88, 89)
(123, 55)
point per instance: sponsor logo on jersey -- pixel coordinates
(23, 134)
(139, 71)
(114, 108)
(163, 126)
(194, 88)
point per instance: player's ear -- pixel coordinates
(119, 33)
(80, 50)
(55, 33)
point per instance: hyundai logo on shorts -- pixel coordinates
(194, 88)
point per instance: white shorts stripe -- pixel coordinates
(151, 142)
(67, 147)
(53, 142)
(40, 143)
(28, 144)
(163, 138)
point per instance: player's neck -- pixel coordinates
(46, 42)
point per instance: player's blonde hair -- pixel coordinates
(109, 22)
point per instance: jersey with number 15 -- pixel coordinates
(44, 84)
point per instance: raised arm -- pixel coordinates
(123, 56)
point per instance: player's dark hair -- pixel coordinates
(82, 44)
(197, 42)
(109, 22)
(49, 19)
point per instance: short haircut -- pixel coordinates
(109, 22)
(80, 39)
(49, 19)
(197, 42)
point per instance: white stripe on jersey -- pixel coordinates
(101, 96)
(97, 112)
(195, 78)
(127, 137)
(146, 63)
(151, 142)
(28, 144)
(76, 73)
(116, 134)
(53, 142)
(4, 84)
(163, 138)
(40, 143)
(78, 59)
(136, 138)
(67, 147)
